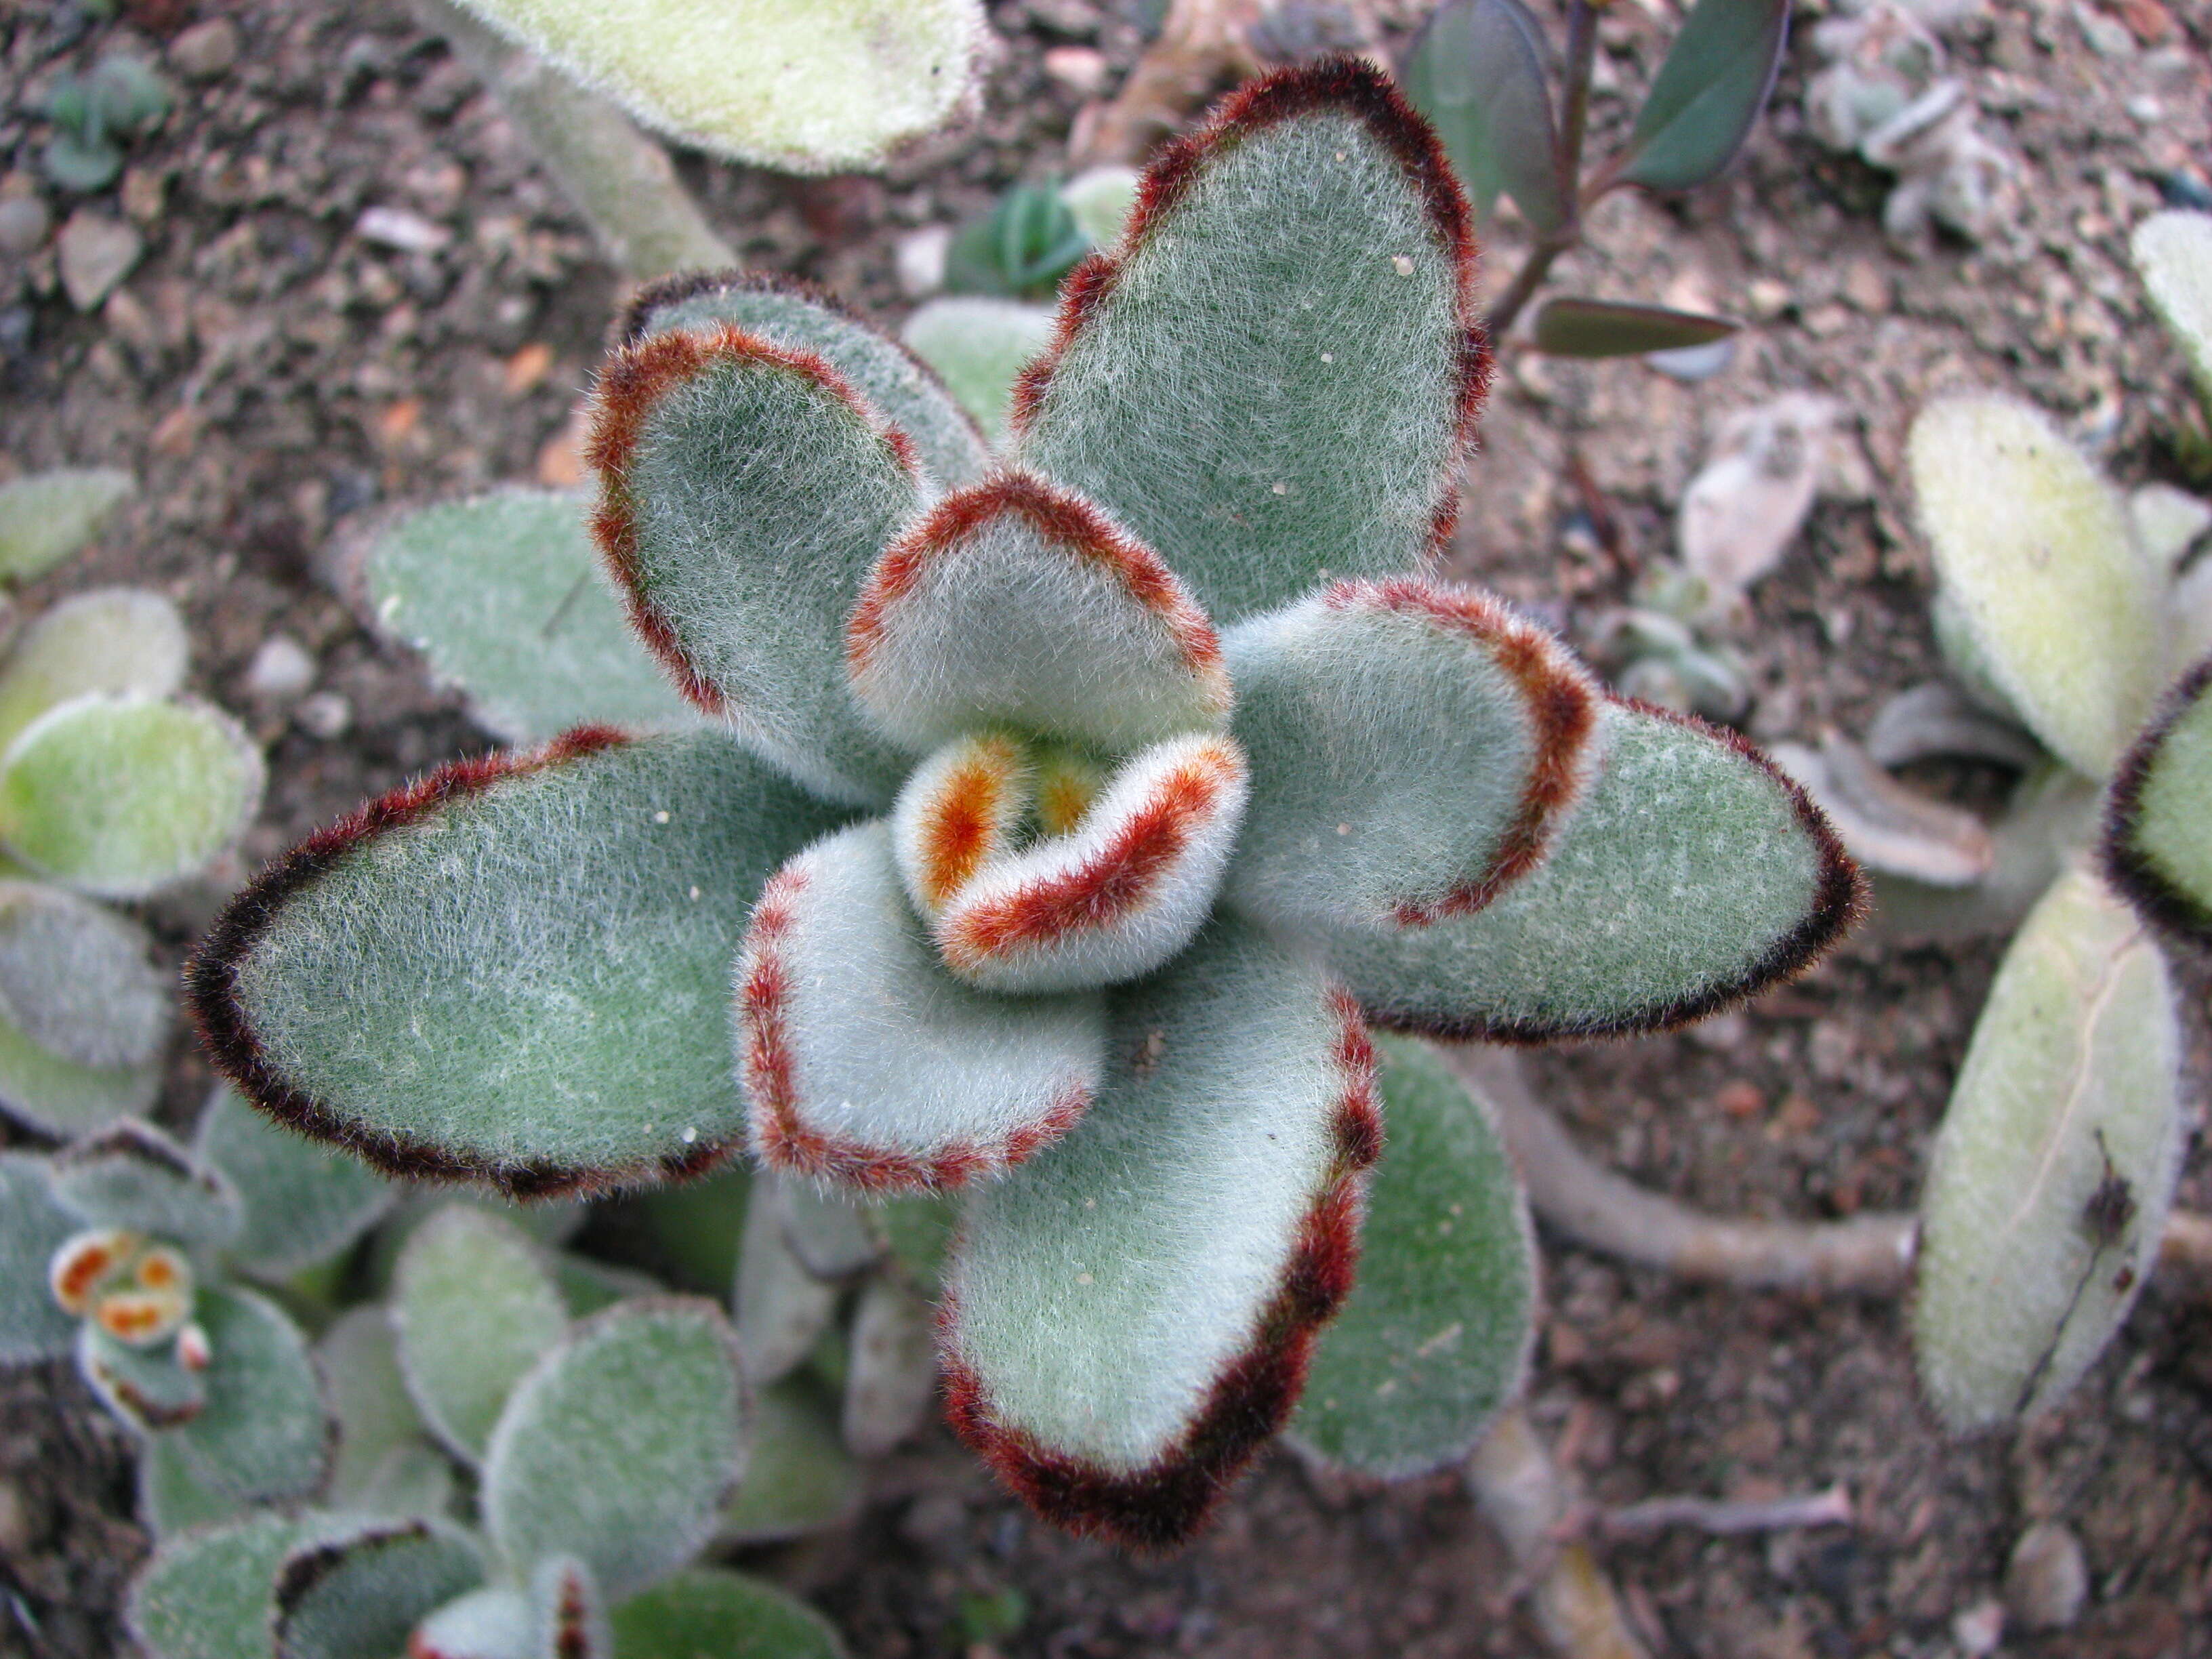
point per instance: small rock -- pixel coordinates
(1866, 287)
(1979, 1629)
(2047, 1579)
(144, 193)
(24, 222)
(1082, 70)
(96, 254)
(919, 256)
(325, 715)
(1769, 299)
(281, 669)
(411, 232)
(205, 49)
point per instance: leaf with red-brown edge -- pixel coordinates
(746, 489)
(2158, 819)
(866, 1064)
(514, 971)
(1275, 378)
(1689, 875)
(1416, 749)
(1129, 1314)
(363, 1591)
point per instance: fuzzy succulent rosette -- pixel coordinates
(1076, 810)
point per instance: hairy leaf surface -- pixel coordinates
(302, 1201)
(2158, 826)
(33, 1226)
(205, 1594)
(385, 1464)
(979, 347)
(474, 1308)
(263, 1435)
(123, 641)
(47, 516)
(2174, 252)
(135, 1177)
(800, 1478)
(358, 1595)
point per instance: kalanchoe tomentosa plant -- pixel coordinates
(1077, 810)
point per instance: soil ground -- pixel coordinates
(277, 381)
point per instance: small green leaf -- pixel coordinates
(2159, 824)
(1435, 1337)
(1708, 92)
(892, 1375)
(2173, 253)
(359, 1596)
(691, 1229)
(385, 1465)
(49, 515)
(122, 796)
(832, 1237)
(1025, 245)
(57, 1096)
(84, 1013)
(504, 596)
(980, 347)
(303, 1202)
(781, 1309)
(133, 1176)
(172, 1499)
(800, 1478)
(2049, 1183)
(623, 1444)
(475, 1308)
(920, 1232)
(1101, 198)
(148, 1389)
(33, 1226)
(264, 1434)
(126, 642)
(1602, 328)
(1477, 72)
(207, 1594)
(711, 1610)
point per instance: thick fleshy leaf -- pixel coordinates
(1117, 895)
(1691, 875)
(801, 1478)
(172, 1499)
(2038, 567)
(505, 597)
(1478, 73)
(796, 85)
(2049, 1183)
(357, 1597)
(57, 1096)
(979, 347)
(124, 642)
(263, 1435)
(1435, 1337)
(798, 317)
(474, 1308)
(133, 1176)
(207, 1594)
(919, 1233)
(569, 1617)
(1416, 749)
(865, 1063)
(2158, 818)
(492, 1623)
(1276, 378)
(623, 1444)
(49, 515)
(690, 1231)
(302, 1201)
(1129, 1314)
(891, 1377)
(84, 1014)
(2174, 252)
(33, 1226)
(740, 564)
(711, 1610)
(1708, 92)
(1606, 328)
(588, 1284)
(515, 970)
(122, 796)
(149, 1389)
(385, 1465)
(1018, 605)
(832, 1237)
(781, 1309)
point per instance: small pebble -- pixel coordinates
(144, 193)
(1979, 1629)
(281, 669)
(205, 49)
(1082, 70)
(24, 222)
(325, 715)
(920, 257)
(2047, 1580)
(96, 254)
(17, 1536)
(411, 232)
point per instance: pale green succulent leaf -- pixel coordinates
(121, 796)
(833, 1236)
(2038, 566)
(133, 1176)
(1435, 1336)
(206, 1594)
(148, 1389)
(33, 1226)
(2158, 828)
(568, 1617)
(711, 1610)
(1101, 198)
(57, 1096)
(474, 1308)
(385, 1465)
(505, 597)
(1268, 385)
(801, 1478)
(491, 1623)
(2072, 1078)
(1126, 1307)
(887, 374)
(47, 516)
(2173, 252)
(303, 1202)
(803, 87)
(621, 1447)
(124, 642)
(588, 1284)
(528, 983)
(264, 1435)
(691, 1229)
(360, 1595)
(891, 1379)
(920, 1231)
(1708, 91)
(781, 1309)
(1478, 72)
(1689, 875)
(979, 347)
(75, 978)
(172, 1499)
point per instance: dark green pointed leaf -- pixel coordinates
(1478, 73)
(1601, 328)
(303, 1202)
(1708, 92)
(359, 1596)
(714, 1611)
(33, 1226)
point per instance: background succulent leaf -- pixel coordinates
(1130, 1310)
(504, 596)
(791, 315)
(385, 1464)
(491, 1623)
(2158, 826)
(1271, 380)
(171, 1499)
(124, 642)
(711, 1610)
(584, 906)
(1022, 246)
(781, 1309)
(1691, 875)
(33, 1226)
(1101, 198)
(979, 346)
(891, 1377)
(474, 1308)
(588, 1284)
(1572, 327)
(79, 999)
(204, 1594)
(690, 1231)
(804, 88)
(1414, 750)
(146, 1388)
(623, 1444)
(302, 1202)
(2037, 565)
(741, 567)
(123, 796)
(832, 1237)
(1435, 1334)
(1478, 73)
(569, 1619)
(919, 1233)
(2173, 253)
(133, 1176)
(47, 516)
(359, 1595)
(864, 1062)
(800, 1478)
(1708, 91)
(58, 1097)
(264, 1435)
(2074, 1061)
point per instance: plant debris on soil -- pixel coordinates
(336, 283)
